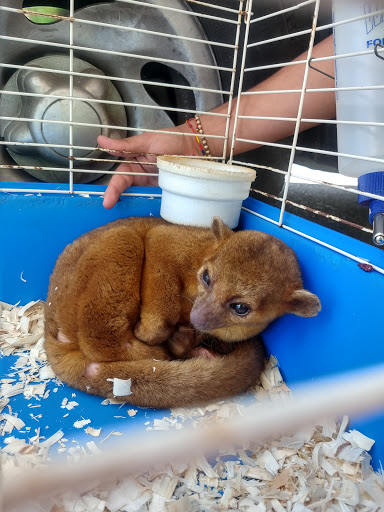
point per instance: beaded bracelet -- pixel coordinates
(201, 141)
(204, 142)
(195, 139)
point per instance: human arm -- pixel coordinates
(317, 105)
(320, 105)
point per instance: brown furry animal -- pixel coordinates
(126, 294)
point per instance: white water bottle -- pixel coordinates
(366, 105)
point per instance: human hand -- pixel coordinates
(141, 152)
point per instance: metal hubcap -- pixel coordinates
(54, 134)
(56, 113)
(134, 49)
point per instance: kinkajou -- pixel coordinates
(141, 289)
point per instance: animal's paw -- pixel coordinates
(153, 332)
(62, 337)
(203, 352)
(182, 342)
(91, 370)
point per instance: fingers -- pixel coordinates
(147, 143)
(116, 187)
(139, 151)
(115, 145)
(145, 181)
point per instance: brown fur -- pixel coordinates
(121, 296)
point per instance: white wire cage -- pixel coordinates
(128, 67)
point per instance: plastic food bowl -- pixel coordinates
(195, 190)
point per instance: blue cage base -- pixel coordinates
(345, 336)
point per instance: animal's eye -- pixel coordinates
(205, 277)
(239, 308)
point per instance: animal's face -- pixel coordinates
(250, 280)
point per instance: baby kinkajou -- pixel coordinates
(124, 295)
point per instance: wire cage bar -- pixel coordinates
(232, 82)
(242, 17)
(140, 71)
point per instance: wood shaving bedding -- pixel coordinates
(324, 468)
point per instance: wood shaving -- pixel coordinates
(93, 431)
(11, 422)
(358, 440)
(323, 468)
(92, 447)
(70, 405)
(81, 423)
(121, 387)
(52, 440)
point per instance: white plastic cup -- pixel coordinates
(195, 190)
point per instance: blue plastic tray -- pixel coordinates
(347, 335)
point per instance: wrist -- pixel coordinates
(214, 128)
(192, 142)
(187, 143)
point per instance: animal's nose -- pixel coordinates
(203, 316)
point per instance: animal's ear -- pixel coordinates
(219, 229)
(304, 303)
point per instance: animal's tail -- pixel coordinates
(164, 384)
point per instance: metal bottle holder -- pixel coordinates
(374, 183)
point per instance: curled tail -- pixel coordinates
(164, 384)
